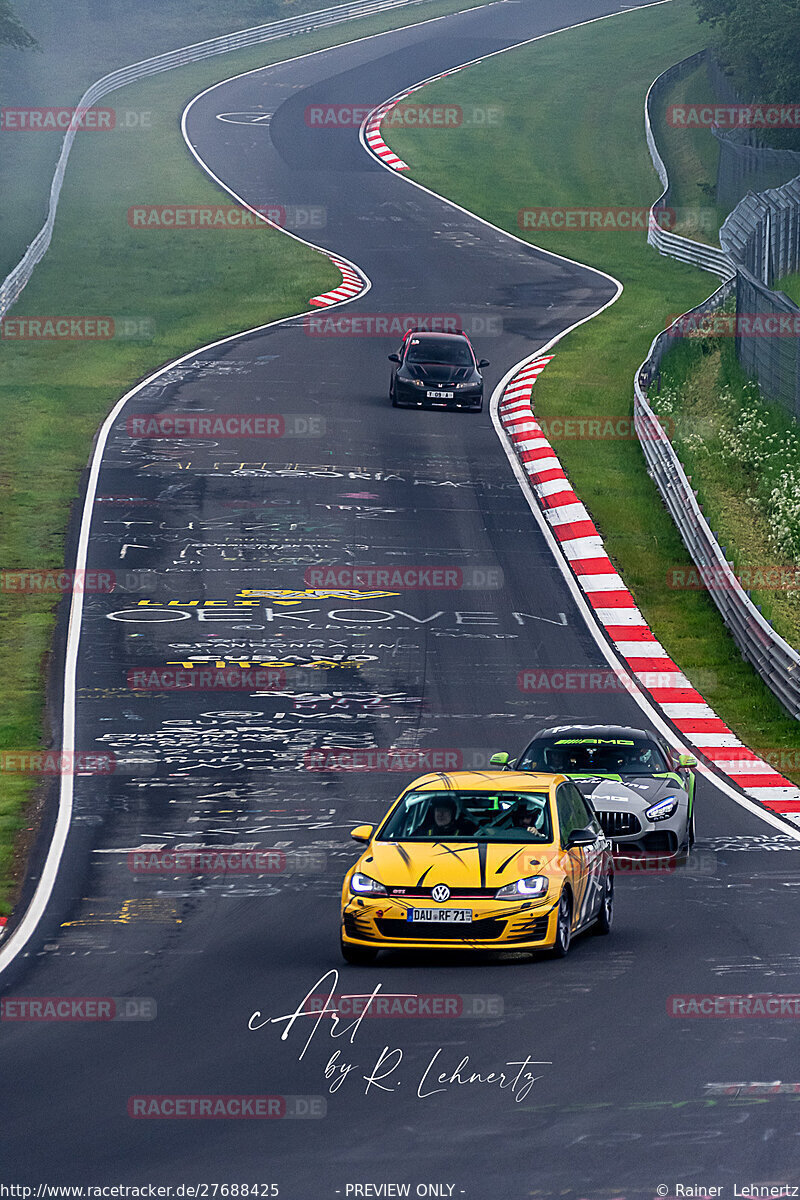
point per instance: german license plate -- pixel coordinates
(464, 915)
(439, 395)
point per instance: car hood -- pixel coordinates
(636, 791)
(439, 372)
(456, 863)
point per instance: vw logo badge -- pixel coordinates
(441, 893)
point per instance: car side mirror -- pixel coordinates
(394, 358)
(581, 837)
(687, 760)
(362, 833)
(484, 362)
(499, 760)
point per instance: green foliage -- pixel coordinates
(759, 41)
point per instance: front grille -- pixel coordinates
(456, 893)
(435, 931)
(618, 824)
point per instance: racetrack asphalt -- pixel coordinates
(622, 1103)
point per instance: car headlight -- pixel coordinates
(524, 889)
(363, 885)
(663, 810)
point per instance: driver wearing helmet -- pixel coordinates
(444, 820)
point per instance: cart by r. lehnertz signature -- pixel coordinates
(516, 1077)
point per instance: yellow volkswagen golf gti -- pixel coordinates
(479, 860)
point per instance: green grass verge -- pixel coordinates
(193, 287)
(791, 285)
(572, 135)
(735, 447)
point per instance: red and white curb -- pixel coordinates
(372, 126)
(372, 134)
(352, 284)
(615, 609)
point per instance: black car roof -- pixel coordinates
(459, 335)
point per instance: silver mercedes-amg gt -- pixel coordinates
(642, 789)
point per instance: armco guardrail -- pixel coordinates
(17, 279)
(775, 660)
(709, 258)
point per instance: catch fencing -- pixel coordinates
(762, 236)
(746, 163)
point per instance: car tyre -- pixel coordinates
(606, 915)
(563, 927)
(357, 956)
(393, 398)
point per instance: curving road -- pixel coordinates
(622, 1103)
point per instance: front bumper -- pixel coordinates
(407, 394)
(496, 925)
(656, 837)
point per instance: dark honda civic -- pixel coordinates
(436, 370)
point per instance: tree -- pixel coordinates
(759, 42)
(12, 31)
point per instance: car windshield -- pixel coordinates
(594, 755)
(454, 353)
(434, 816)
